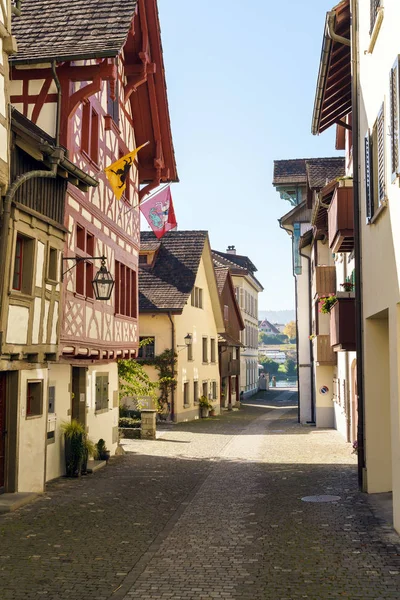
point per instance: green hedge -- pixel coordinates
(128, 423)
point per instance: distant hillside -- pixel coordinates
(277, 316)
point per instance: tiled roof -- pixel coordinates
(169, 282)
(315, 171)
(237, 264)
(293, 171)
(221, 274)
(150, 246)
(71, 29)
(237, 260)
(321, 171)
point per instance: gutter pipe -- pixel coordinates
(173, 362)
(297, 322)
(308, 258)
(330, 24)
(357, 243)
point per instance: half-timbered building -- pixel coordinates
(91, 75)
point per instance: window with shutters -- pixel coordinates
(197, 297)
(205, 350)
(375, 181)
(84, 271)
(147, 350)
(195, 392)
(213, 352)
(101, 392)
(113, 103)
(394, 119)
(125, 290)
(22, 278)
(374, 7)
(186, 399)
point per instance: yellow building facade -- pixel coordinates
(194, 310)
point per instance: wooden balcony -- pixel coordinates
(234, 367)
(325, 281)
(323, 353)
(343, 325)
(341, 220)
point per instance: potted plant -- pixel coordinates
(89, 449)
(74, 436)
(347, 286)
(326, 303)
(102, 451)
(205, 406)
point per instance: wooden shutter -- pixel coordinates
(380, 131)
(394, 119)
(368, 177)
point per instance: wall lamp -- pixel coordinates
(103, 283)
(188, 341)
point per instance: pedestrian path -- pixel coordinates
(213, 509)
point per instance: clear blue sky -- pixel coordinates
(241, 82)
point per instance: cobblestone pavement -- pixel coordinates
(212, 509)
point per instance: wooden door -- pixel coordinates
(2, 430)
(79, 394)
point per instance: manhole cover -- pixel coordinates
(323, 498)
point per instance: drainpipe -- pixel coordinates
(331, 30)
(173, 363)
(297, 322)
(357, 241)
(16, 8)
(308, 258)
(347, 378)
(59, 96)
(6, 216)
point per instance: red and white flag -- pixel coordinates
(159, 212)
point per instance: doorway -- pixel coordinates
(78, 411)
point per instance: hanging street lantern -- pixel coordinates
(103, 283)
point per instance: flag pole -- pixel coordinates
(154, 194)
(149, 198)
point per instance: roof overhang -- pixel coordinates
(299, 214)
(146, 90)
(333, 94)
(42, 147)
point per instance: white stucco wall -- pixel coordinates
(31, 436)
(380, 264)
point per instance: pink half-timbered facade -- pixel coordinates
(99, 90)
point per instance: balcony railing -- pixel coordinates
(341, 220)
(343, 325)
(323, 353)
(324, 281)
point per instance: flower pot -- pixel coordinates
(105, 455)
(74, 454)
(204, 412)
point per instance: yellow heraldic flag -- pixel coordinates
(118, 172)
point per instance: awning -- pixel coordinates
(333, 94)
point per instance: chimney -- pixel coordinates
(231, 250)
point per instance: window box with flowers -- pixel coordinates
(326, 303)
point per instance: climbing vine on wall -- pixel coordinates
(165, 364)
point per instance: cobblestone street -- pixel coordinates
(212, 509)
